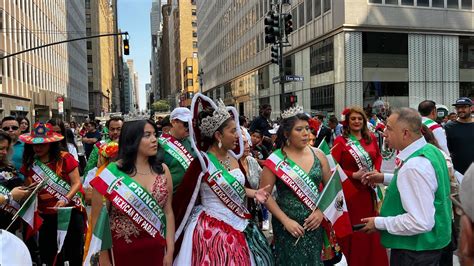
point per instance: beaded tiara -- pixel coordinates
(210, 124)
(292, 111)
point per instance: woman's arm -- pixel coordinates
(170, 225)
(75, 186)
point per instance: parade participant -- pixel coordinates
(415, 219)
(460, 135)
(139, 188)
(90, 138)
(357, 152)
(12, 127)
(217, 232)
(323, 132)
(335, 127)
(295, 219)
(42, 159)
(175, 146)
(466, 209)
(24, 124)
(427, 110)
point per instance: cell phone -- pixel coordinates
(357, 227)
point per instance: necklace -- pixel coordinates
(226, 162)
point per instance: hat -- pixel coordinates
(12, 250)
(466, 191)
(463, 101)
(41, 133)
(274, 130)
(181, 113)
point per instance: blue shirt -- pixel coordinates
(17, 156)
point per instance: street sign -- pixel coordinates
(288, 78)
(60, 101)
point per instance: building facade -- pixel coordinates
(348, 53)
(165, 69)
(31, 82)
(155, 25)
(130, 87)
(102, 55)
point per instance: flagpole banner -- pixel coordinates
(101, 238)
(64, 217)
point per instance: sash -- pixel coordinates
(11, 208)
(55, 186)
(226, 187)
(432, 125)
(360, 155)
(130, 198)
(294, 177)
(176, 150)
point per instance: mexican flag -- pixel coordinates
(333, 204)
(101, 238)
(29, 213)
(64, 216)
(324, 147)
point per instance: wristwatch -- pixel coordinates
(8, 197)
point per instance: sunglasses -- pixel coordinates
(457, 204)
(12, 128)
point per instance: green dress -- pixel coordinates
(308, 249)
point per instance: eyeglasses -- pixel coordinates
(12, 128)
(457, 204)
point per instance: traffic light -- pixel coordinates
(126, 47)
(293, 99)
(272, 27)
(274, 54)
(288, 21)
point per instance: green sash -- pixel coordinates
(176, 150)
(11, 208)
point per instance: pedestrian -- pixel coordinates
(12, 127)
(43, 158)
(452, 116)
(427, 110)
(175, 147)
(90, 138)
(296, 224)
(24, 124)
(415, 218)
(460, 135)
(336, 128)
(217, 232)
(263, 122)
(357, 152)
(140, 170)
(73, 127)
(166, 125)
(323, 132)
(259, 151)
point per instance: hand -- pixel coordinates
(262, 195)
(358, 175)
(168, 259)
(19, 193)
(104, 259)
(313, 221)
(60, 203)
(372, 178)
(369, 225)
(294, 228)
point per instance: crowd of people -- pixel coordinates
(201, 186)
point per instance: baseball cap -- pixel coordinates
(12, 250)
(463, 101)
(466, 191)
(181, 113)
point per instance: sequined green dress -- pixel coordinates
(308, 249)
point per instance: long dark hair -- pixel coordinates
(286, 125)
(70, 137)
(208, 141)
(58, 122)
(21, 118)
(55, 149)
(129, 141)
(4, 136)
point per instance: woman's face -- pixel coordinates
(41, 149)
(4, 148)
(299, 135)
(312, 139)
(356, 122)
(148, 144)
(228, 137)
(24, 125)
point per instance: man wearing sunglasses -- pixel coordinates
(11, 126)
(175, 147)
(465, 208)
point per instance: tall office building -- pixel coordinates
(33, 80)
(130, 87)
(165, 65)
(348, 52)
(155, 23)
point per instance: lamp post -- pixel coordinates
(200, 77)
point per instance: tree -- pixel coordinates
(161, 106)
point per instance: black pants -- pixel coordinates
(403, 257)
(73, 248)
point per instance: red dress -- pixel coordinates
(360, 248)
(131, 245)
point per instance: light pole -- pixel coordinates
(200, 77)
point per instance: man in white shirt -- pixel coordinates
(427, 110)
(415, 218)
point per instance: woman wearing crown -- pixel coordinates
(218, 231)
(296, 167)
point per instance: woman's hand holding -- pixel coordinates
(262, 195)
(294, 228)
(314, 220)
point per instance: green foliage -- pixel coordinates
(161, 106)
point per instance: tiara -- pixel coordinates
(210, 124)
(292, 111)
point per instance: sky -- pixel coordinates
(134, 17)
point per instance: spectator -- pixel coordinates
(263, 122)
(90, 138)
(24, 124)
(427, 110)
(259, 151)
(452, 116)
(166, 125)
(12, 127)
(335, 126)
(460, 135)
(323, 132)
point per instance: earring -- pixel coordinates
(287, 142)
(219, 144)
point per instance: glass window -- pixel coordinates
(88, 3)
(89, 45)
(88, 18)
(194, 24)
(322, 57)
(453, 4)
(195, 44)
(301, 14)
(466, 89)
(89, 58)
(90, 73)
(391, 2)
(322, 98)
(466, 4)
(193, 12)
(189, 82)
(382, 49)
(407, 2)
(309, 10)
(1, 19)
(396, 93)
(375, 1)
(317, 8)
(90, 85)
(195, 34)
(437, 3)
(466, 52)
(195, 54)
(294, 15)
(423, 3)
(327, 5)
(189, 69)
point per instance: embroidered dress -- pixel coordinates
(131, 245)
(308, 249)
(216, 236)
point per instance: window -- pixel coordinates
(453, 4)
(309, 10)
(189, 69)
(88, 4)
(391, 2)
(466, 4)
(327, 5)
(90, 73)
(294, 14)
(437, 3)
(88, 31)
(322, 57)
(423, 3)
(189, 82)
(195, 55)
(407, 2)
(195, 44)
(396, 93)
(88, 18)
(193, 12)
(1, 19)
(382, 49)
(194, 24)
(466, 89)
(195, 34)
(375, 1)
(90, 85)
(89, 45)
(301, 14)
(317, 8)
(89, 58)
(466, 52)
(322, 98)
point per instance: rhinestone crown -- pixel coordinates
(292, 111)
(210, 124)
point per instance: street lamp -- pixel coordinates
(200, 77)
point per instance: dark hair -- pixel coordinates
(242, 120)
(429, 136)
(346, 131)
(333, 119)
(256, 131)
(426, 107)
(129, 141)
(70, 124)
(70, 138)
(208, 141)
(286, 125)
(114, 118)
(29, 155)
(264, 106)
(92, 123)
(4, 136)
(9, 118)
(58, 122)
(21, 118)
(165, 121)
